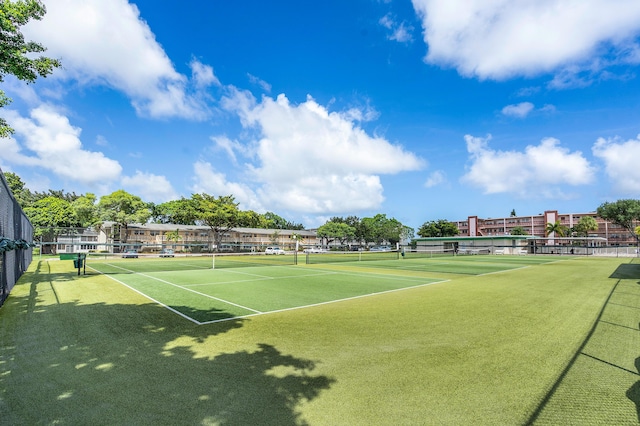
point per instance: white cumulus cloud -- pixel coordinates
(107, 43)
(435, 178)
(47, 140)
(305, 158)
(538, 171)
(499, 39)
(621, 163)
(520, 110)
(150, 187)
(400, 32)
(210, 181)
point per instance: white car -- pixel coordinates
(274, 250)
(314, 250)
(166, 253)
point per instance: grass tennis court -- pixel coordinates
(230, 289)
(467, 340)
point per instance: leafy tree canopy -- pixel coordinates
(23, 196)
(438, 228)
(179, 212)
(220, 214)
(336, 231)
(585, 226)
(86, 210)
(124, 209)
(48, 215)
(273, 221)
(556, 228)
(17, 55)
(625, 213)
(518, 230)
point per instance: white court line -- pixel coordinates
(261, 279)
(325, 303)
(188, 289)
(149, 297)
(359, 274)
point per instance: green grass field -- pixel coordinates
(466, 340)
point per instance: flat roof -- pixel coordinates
(486, 237)
(507, 237)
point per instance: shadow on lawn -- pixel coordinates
(610, 358)
(634, 391)
(627, 271)
(98, 363)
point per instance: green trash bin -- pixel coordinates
(77, 263)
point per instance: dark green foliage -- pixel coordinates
(438, 228)
(17, 55)
(625, 213)
(519, 230)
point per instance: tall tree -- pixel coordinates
(625, 213)
(58, 193)
(556, 228)
(173, 236)
(23, 196)
(179, 212)
(124, 209)
(50, 217)
(273, 221)
(518, 230)
(336, 231)
(585, 226)
(220, 214)
(251, 219)
(16, 54)
(438, 228)
(86, 210)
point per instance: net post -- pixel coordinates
(213, 261)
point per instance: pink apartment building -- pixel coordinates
(536, 225)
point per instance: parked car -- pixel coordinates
(380, 248)
(130, 253)
(314, 250)
(166, 253)
(274, 250)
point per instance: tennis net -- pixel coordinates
(350, 256)
(128, 263)
(421, 254)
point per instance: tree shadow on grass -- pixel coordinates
(634, 391)
(99, 363)
(627, 271)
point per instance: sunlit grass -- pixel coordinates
(474, 350)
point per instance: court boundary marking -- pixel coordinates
(255, 312)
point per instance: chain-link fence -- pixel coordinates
(14, 226)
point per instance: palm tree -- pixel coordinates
(556, 228)
(173, 236)
(586, 225)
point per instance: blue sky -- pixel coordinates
(421, 110)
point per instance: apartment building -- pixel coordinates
(154, 236)
(536, 225)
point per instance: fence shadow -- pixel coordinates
(634, 391)
(608, 344)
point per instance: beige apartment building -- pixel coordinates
(535, 225)
(153, 237)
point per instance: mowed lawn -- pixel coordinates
(556, 343)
